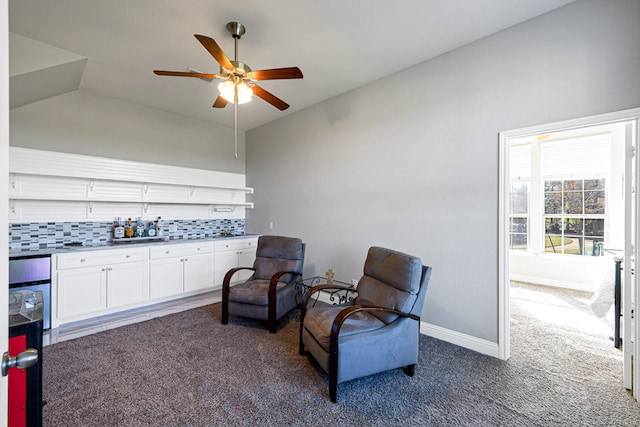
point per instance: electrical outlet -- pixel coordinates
(270, 225)
(354, 282)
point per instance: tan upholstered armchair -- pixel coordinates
(270, 292)
(378, 330)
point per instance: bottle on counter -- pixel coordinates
(159, 229)
(140, 229)
(128, 229)
(118, 229)
(151, 229)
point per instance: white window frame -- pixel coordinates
(582, 216)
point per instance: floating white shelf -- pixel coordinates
(46, 176)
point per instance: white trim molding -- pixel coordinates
(467, 341)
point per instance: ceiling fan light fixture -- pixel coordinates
(227, 88)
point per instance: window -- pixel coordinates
(558, 191)
(520, 167)
(519, 218)
(574, 183)
(574, 216)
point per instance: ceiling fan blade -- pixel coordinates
(269, 97)
(215, 51)
(220, 102)
(276, 73)
(186, 74)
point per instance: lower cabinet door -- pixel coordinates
(82, 292)
(127, 284)
(225, 261)
(165, 278)
(198, 272)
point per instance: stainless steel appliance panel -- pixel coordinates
(33, 273)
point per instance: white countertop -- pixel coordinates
(111, 245)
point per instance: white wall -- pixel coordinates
(82, 122)
(411, 161)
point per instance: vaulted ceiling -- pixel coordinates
(112, 47)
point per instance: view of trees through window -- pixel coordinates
(558, 194)
(519, 218)
(574, 216)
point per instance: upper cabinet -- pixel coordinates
(96, 188)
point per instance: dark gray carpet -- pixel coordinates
(188, 370)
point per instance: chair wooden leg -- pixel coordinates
(410, 370)
(301, 346)
(225, 313)
(333, 386)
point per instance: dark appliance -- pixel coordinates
(25, 379)
(33, 273)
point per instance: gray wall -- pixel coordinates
(81, 122)
(411, 161)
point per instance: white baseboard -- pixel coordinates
(467, 341)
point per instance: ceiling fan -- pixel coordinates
(238, 86)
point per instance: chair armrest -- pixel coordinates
(307, 296)
(230, 273)
(274, 282)
(276, 277)
(348, 311)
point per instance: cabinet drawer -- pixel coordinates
(102, 257)
(236, 244)
(180, 249)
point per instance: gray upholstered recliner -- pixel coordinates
(378, 330)
(270, 292)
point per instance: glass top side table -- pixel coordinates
(327, 296)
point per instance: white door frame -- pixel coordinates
(504, 332)
(4, 198)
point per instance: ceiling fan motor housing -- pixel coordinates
(236, 29)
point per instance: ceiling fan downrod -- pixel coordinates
(236, 30)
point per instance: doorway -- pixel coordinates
(547, 231)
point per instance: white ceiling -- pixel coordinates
(338, 44)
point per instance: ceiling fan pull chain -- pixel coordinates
(235, 111)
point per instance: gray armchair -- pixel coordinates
(270, 292)
(378, 330)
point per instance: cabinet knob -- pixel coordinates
(128, 256)
(166, 252)
(198, 249)
(82, 260)
(186, 259)
(104, 269)
(110, 268)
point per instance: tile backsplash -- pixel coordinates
(40, 235)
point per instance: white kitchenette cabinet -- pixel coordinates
(182, 268)
(92, 283)
(234, 253)
(88, 284)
